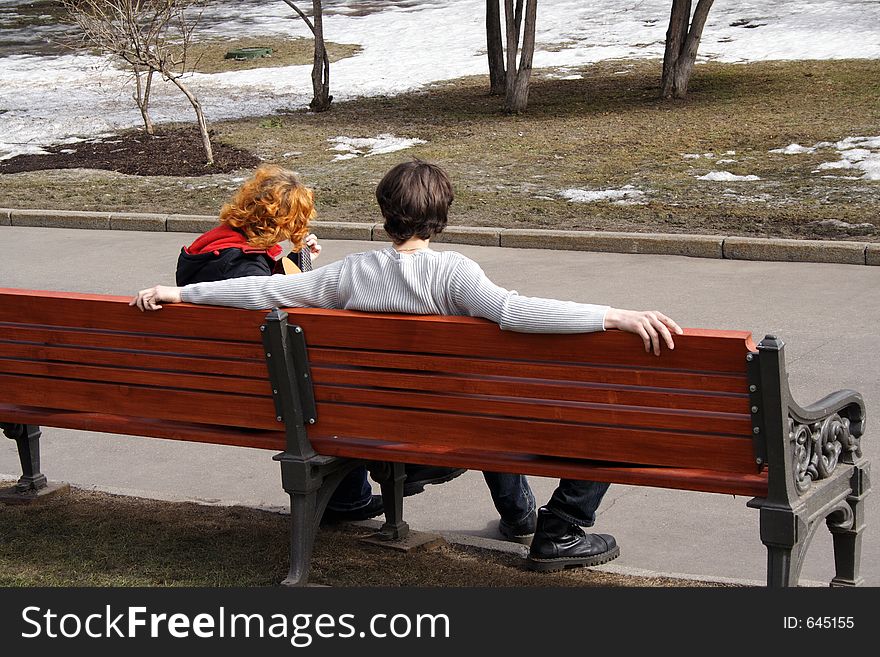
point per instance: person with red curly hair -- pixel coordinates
(269, 208)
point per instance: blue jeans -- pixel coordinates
(354, 491)
(573, 500)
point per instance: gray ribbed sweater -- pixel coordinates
(425, 283)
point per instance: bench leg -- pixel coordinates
(783, 568)
(846, 532)
(391, 477)
(310, 484)
(27, 437)
(786, 536)
(302, 537)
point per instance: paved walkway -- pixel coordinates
(827, 313)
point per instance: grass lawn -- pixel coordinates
(604, 131)
(89, 538)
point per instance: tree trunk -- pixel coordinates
(517, 91)
(495, 49)
(321, 97)
(682, 44)
(200, 117)
(142, 98)
(321, 64)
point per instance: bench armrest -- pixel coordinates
(825, 433)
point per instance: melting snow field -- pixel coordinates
(48, 99)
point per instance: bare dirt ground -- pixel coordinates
(170, 152)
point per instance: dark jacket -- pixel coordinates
(223, 253)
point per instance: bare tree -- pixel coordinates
(321, 97)
(153, 36)
(517, 78)
(495, 49)
(682, 43)
(143, 80)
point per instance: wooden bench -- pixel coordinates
(714, 415)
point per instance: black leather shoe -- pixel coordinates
(519, 532)
(560, 544)
(371, 510)
(419, 476)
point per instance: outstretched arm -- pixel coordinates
(477, 296)
(316, 289)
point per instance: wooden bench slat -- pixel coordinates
(112, 313)
(255, 369)
(706, 480)
(126, 340)
(638, 446)
(716, 382)
(709, 351)
(219, 408)
(539, 409)
(183, 381)
(150, 428)
(528, 389)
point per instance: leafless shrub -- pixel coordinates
(152, 36)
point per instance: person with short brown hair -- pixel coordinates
(414, 198)
(410, 277)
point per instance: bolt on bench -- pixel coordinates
(330, 389)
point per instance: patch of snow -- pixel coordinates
(726, 176)
(725, 161)
(862, 142)
(794, 149)
(858, 153)
(835, 225)
(628, 194)
(369, 146)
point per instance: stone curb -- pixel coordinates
(851, 253)
(695, 246)
(60, 219)
(872, 254)
(189, 223)
(143, 222)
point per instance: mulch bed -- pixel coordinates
(170, 152)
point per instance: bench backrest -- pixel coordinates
(448, 383)
(91, 361)
(393, 383)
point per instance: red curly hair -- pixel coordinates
(271, 207)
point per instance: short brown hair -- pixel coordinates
(414, 198)
(271, 207)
